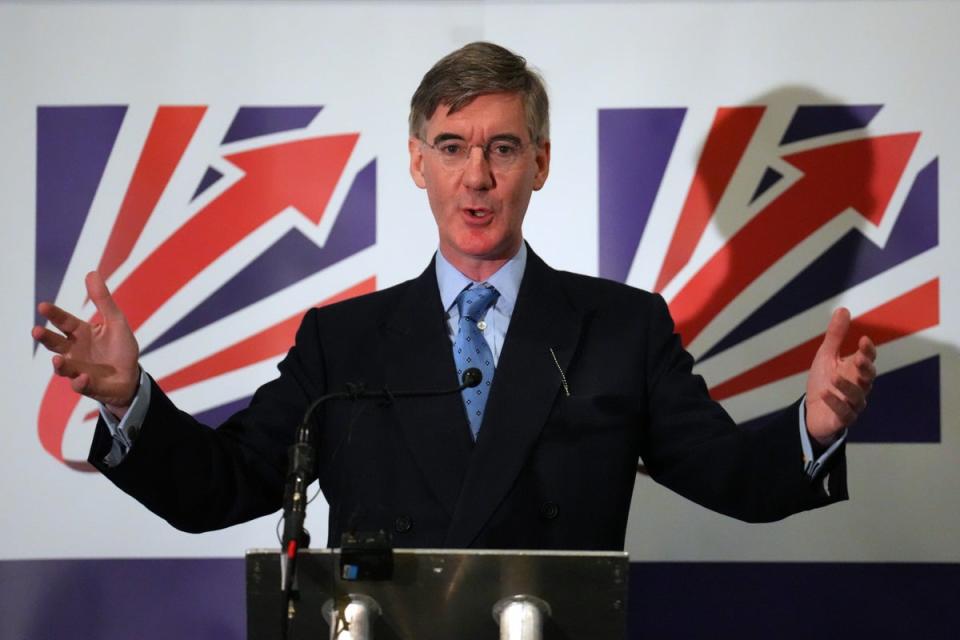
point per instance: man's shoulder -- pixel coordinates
(593, 291)
(368, 307)
(601, 285)
(590, 295)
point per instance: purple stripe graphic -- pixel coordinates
(770, 177)
(218, 415)
(289, 260)
(204, 598)
(851, 260)
(73, 145)
(904, 406)
(818, 120)
(795, 600)
(251, 122)
(122, 599)
(634, 148)
(208, 180)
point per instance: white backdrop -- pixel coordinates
(361, 61)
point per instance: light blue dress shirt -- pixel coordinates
(506, 281)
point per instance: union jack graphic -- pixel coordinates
(788, 213)
(199, 217)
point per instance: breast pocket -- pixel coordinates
(593, 415)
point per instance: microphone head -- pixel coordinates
(472, 377)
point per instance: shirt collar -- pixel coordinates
(506, 280)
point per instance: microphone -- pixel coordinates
(301, 469)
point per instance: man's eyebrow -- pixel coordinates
(447, 136)
(506, 137)
(501, 137)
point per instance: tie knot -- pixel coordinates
(473, 302)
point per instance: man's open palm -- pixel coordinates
(99, 357)
(838, 386)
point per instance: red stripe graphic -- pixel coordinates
(730, 133)
(909, 313)
(862, 174)
(170, 133)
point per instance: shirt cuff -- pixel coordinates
(813, 466)
(125, 431)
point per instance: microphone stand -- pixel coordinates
(301, 470)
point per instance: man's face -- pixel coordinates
(479, 208)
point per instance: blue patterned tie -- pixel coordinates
(470, 350)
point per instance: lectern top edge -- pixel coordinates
(474, 552)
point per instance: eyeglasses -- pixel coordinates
(501, 153)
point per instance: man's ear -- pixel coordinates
(543, 165)
(416, 162)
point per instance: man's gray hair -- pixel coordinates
(477, 69)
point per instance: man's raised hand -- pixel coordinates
(838, 386)
(99, 357)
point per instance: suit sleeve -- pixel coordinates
(200, 478)
(693, 447)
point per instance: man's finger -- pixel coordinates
(62, 320)
(836, 331)
(67, 367)
(80, 383)
(100, 295)
(59, 364)
(843, 412)
(851, 393)
(63, 367)
(51, 341)
(866, 370)
(867, 348)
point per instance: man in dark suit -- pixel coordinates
(582, 377)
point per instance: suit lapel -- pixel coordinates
(414, 339)
(525, 386)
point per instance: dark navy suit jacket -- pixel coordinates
(548, 470)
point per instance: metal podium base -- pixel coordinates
(438, 594)
(521, 617)
(352, 618)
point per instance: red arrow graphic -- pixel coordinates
(914, 311)
(59, 401)
(862, 174)
(301, 174)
